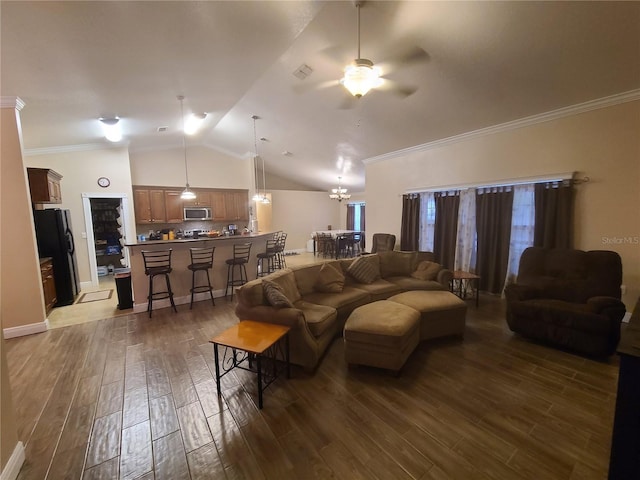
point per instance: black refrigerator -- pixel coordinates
(55, 240)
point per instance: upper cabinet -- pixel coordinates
(164, 205)
(44, 184)
(149, 205)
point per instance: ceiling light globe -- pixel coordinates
(360, 77)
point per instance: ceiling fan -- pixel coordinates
(362, 75)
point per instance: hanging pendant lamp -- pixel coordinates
(187, 193)
(259, 197)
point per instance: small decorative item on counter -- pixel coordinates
(172, 235)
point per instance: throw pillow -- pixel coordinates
(329, 280)
(427, 270)
(275, 295)
(363, 270)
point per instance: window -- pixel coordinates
(428, 221)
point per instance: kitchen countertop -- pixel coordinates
(199, 239)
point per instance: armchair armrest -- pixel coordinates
(610, 306)
(518, 293)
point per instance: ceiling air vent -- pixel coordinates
(303, 71)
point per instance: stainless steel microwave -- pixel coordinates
(197, 213)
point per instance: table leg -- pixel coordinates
(286, 353)
(258, 361)
(477, 293)
(216, 356)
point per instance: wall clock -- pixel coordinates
(104, 182)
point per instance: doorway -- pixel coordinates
(107, 233)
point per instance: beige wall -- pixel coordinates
(207, 168)
(80, 172)
(21, 293)
(301, 213)
(603, 144)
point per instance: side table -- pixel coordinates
(464, 281)
(250, 340)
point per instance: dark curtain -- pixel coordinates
(410, 230)
(351, 215)
(362, 224)
(446, 227)
(554, 215)
(493, 225)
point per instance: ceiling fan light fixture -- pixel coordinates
(111, 129)
(360, 77)
(194, 123)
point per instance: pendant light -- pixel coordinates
(260, 197)
(187, 193)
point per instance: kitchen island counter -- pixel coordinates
(180, 258)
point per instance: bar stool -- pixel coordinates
(201, 261)
(158, 262)
(280, 261)
(269, 255)
(240, 259)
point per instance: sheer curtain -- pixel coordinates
(522, 226)
(466, 242)
(427, 221)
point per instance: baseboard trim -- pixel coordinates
(86, 285)
(22, 330)
(14, 464)
(165, 303)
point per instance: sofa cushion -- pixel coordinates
(329, 279)
(287, 281)
(558, 313)
(381, 289)
(364, 270)
(319, 318)
(251, 293)
(410, 283)
(427, 270)
(275, 295)
(396, 263)
(344, 302)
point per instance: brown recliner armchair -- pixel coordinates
(383, 242)
(568, 298)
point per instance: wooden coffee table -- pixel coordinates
(248, 341)
(464, 281)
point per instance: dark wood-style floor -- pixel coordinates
(133, 397)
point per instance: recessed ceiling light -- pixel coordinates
(287, 153)
(163, 129)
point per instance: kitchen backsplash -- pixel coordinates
(144, 229)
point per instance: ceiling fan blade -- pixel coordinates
(413, 54)
(402, 91)
(348, 102)
(304, 87)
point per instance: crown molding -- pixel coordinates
(604, 102)
(12, 102)
(32, 152)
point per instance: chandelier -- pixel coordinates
(260, 197)
(339, 193)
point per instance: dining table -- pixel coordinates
(335, 234)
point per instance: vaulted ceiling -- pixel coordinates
(482, 64)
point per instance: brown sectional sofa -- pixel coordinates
(316, 316)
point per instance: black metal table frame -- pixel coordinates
(463, 284)
(238, 357)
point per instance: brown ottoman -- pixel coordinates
(381, 334)
(441, 313)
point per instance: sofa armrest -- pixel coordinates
(609, 306)
(289, 317)
(518, 293)
(444, 277)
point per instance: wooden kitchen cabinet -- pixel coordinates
(149, 205)
(239, 209)
(44, 185)
(218, 206)
(48, 283)
(174, 206)
(203, 199)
